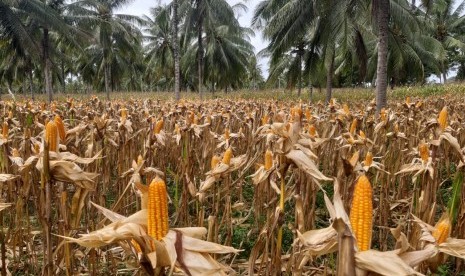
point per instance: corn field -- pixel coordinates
(232, 187)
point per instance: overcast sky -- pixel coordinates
(141, 7)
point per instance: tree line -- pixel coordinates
(199, 45)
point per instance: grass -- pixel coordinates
(341, 94)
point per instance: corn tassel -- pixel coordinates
(157, 209)
(361, 213)
(51, 136)
(61, 128)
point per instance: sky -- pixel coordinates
(142, 7)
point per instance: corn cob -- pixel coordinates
(423, 151)
(10, 114)
(442, 229)
(361, 217)
(215, 160)
(312, 130)
(368, 159)
(265, 119)
(124, 114)
(268, 159)
(136, 246)
(158, 126)
(383, 115)
(61, 128)
(51, 136)
(227, 156)
(308, 114)
(442, 119)
(362, 134)
(157, 209)
(353, 126)
(5, 130)
(226, 134)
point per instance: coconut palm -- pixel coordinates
(114, 34)
(204, 16)
(22, 20)
(448, 27)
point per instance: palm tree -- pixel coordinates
(114, 34)
(160, 49)
(201, 16)
(43, 15)
(448, 27)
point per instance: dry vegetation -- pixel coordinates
(249, 187)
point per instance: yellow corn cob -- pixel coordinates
(268, 159)
(407, 100)
(308, 114)
(312, 130)
(362, 134)
(368, 159)
(10, 114)
(157, 209)
(265, 119)
(383, 115)
(361, 213)
(124, 114)
(226, 134)
(442, 229)
(5, 130)
(61, 128)
(227, 156)
(353, 126)
(158, 126)
(51, 136)
(442, 119)
(215, 160)
(423, 151)
(136, 246)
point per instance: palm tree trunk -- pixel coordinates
(47, 67)
(63, 85)
(329, 80)
(176, 51)
(381, 73)
(200, 56)
(299, 91)
(107, 79)
(31, 83)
